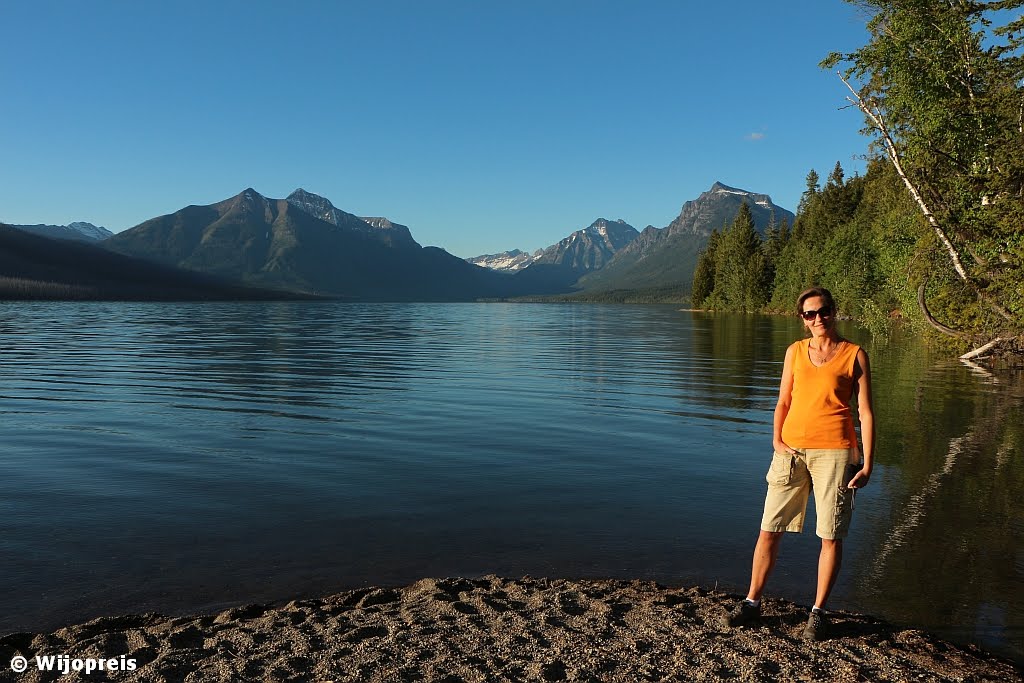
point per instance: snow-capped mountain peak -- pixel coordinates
(79, 230)
(89, 230)
(318, 206)
(757, 197)
(509, 261)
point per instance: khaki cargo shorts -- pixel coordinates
(792, 478)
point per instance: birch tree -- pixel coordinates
(939, 88)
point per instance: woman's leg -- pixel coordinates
(765, 553)
(829, 562)
(833, 502)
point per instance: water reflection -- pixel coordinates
(947, 553)
(236, 453)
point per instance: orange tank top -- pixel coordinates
(819, 412)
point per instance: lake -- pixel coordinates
(185, 457)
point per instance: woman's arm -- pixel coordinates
(867, 420)
(782, 407)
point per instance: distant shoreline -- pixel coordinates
(504, 629)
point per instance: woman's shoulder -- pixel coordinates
(796, 350)
(799, 346)
(850, 353)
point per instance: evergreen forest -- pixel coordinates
(933, 232)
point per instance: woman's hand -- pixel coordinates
(781, 447)
(860, 480)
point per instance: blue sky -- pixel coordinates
(482, 125)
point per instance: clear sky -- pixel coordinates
(483, 125)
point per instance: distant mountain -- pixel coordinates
(559, 266)
(305, 244)
(392, 234)
(590, 248)
(80, 231)
(718, 206)
(37, 267)
(287, 243)
(389, 233)
(506, 261)
(667, 256)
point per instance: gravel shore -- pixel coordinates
(497, 629)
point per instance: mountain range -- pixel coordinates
(34, 266)
(506, 261)
(561, 265)
(80, 231)
(305, 244)
(667, 256)
(653, 258)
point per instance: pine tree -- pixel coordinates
(810, 192)
(775, 238)
(741, 282)
(704, 273)
(941, 96)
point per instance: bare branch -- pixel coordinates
(981, 350)
(944, 329)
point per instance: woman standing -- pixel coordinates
(815, 451)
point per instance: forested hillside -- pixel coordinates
(934, 231)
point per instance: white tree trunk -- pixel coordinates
(894, 156)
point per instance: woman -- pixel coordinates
(815, 451)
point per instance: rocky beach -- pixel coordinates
(497, 629)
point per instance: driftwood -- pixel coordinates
(981, 350)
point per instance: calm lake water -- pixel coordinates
(184, 457)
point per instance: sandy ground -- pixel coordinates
(495, 629)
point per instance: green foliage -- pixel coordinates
(813, 188)
(741, 268)
(946, 87)
(858, 238)
(949, 96)
(704, 273)
(775, 239)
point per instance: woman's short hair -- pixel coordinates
(815, 291)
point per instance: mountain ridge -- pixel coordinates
(280, 243)
(660, 257)
(506, 261)
(303, 243)
(47, 268)
(393, 234)
(78, 230)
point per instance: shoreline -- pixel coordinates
(493, 628)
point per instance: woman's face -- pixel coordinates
(819, 324)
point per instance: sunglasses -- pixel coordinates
(824, 312)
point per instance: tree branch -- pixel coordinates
(981, 349)
(894, 157)
(944, 329)
(875, 117)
